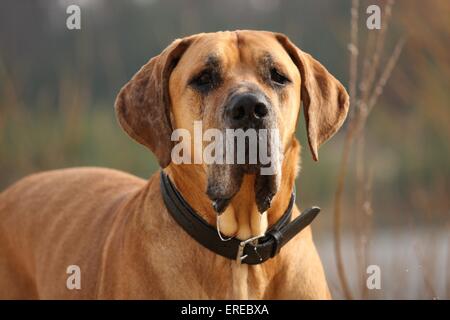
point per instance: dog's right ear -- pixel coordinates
(143, 104)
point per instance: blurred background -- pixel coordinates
(57, 90)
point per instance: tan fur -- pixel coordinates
(115, 226)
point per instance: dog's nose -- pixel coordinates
(246, 109)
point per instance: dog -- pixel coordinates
(115, 227)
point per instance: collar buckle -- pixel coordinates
(240, 254)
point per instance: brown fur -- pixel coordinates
(115, 226)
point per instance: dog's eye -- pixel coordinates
(277, 77)
(203, 81)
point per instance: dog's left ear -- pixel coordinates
(325, 100)
(143, 104)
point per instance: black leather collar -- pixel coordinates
(252, 251)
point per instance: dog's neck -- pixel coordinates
(241, 218)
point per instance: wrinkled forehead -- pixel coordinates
(225, 50)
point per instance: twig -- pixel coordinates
(354, 51)
(353, 47)
(367, 82)
(386, 74)
(338, 213)
(447, 263)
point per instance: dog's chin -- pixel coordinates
(224, 181)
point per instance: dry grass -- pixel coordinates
(365, 88)
(362, 103)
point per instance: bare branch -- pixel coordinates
(361, 109)
(354, 51)
(368, 81)
(386, 74)
(353, 47)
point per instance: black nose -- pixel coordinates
(246, 109)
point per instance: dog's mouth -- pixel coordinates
(262, 159)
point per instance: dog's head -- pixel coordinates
(249, 80)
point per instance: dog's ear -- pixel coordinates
(325, 100)
(143, 104)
